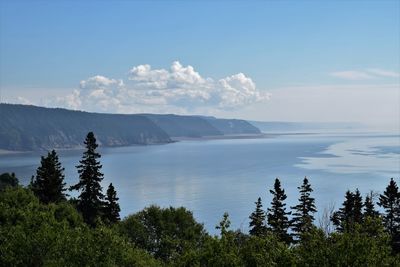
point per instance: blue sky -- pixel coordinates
(48, 47)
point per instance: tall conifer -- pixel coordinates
(90, 200)
(257, 220)
(390, 202)
(303, 218)
(111, 207)
(48, 184)
(277, 216)
(350, 213)
(369, 207)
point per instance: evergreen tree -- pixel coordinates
(224, 224)
(358, 207)
(8, 180)
(277, 216)
(390, 201)
(369, 208)
(350, 213)
(112, 208)
(90, 202)
(257, 220)
(303, 218)
(48, 184)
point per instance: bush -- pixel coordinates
(33, 234)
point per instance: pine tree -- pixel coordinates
(277, 216)
(257, 220)
(112, 208)
(90, 202)
(390, 201)
(369, 208)
(357, 207)
(303, 218)
(350, 213)
(48, 184)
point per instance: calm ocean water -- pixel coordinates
(214, 176)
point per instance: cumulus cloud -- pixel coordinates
(177, 89)
(365, 74)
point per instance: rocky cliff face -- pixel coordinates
(27, 128)
(35, 128)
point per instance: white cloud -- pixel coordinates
(367, 74)
(239, 90)
(177, 89)
(384, 73)
(99, 81)
(351, 75)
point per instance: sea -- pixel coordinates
(210, 177)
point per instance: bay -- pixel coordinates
(210, 177)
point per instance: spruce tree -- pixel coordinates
(303, 218)
(90, 200)
(369, 208)
(257, 220)
(350, 213)
(390, 201)
(111, 207)
(277, 216)
(48, 184)
(357, 207)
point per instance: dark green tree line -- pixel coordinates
(350, 213)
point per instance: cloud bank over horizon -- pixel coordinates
(179, 89)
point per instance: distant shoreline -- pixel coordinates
(174, 140)
(180, 139)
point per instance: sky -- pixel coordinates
(322, 61)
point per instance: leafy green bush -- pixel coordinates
(33, 234)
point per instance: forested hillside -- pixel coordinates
(33, 128)
(27, 128)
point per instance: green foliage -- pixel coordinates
(220, 251)
(38, 229)
(369, 207)
(90, 200)
(390, 202)
(165, 233)
(266, 251)
(111, 206)
(48, 184)
(257, 220)
(356, 248)
(303, 218)
(34, 234)
(350, 213)
(8, 180)
(224, 224)
(277, 216)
